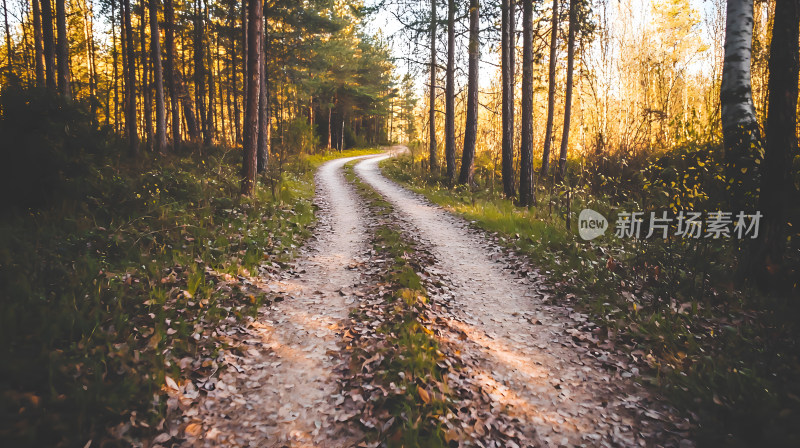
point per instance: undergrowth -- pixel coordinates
(116, 274)
(726, 355)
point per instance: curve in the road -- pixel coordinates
(566, 397)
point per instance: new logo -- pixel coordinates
(591, 224)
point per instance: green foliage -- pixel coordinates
(48, 145)
(123, 272)
(723, 353)
(300, 136)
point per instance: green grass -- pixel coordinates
(728, 356)
(412, 352)
(108, 288)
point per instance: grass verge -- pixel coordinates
(405, 360)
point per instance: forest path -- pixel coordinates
(524, 355)
(281, 389)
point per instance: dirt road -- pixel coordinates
(279, 387)
(520, 343)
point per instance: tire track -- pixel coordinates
(279, 388)
(566, 396)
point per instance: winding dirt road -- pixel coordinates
(564, 395)
(279, 388)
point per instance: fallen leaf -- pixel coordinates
(171, 383)
(423, 394)
(193, 429)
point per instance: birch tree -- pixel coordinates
(740, 132)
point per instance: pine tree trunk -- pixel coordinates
(37, 44)
(434, 162)
(146, 87)
(49, 45)
(129, 64)
(91, 69)
(471, 125)
(526, 196)
(158, 79)
(254, 43)
(62, 50)
(200, 72)
(450, 95)
(188, 111)
(562, 158)
(508, 45)
(27, 58)
(9, 54)
(114, 58)
(777, 188)
(235, 77)
(211, 126)
(263, 105)
(551, 93)
(739, 126)
(169, 68)
(244, 59)
(330, 134)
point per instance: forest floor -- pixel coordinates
(492, 319)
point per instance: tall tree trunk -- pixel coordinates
(254, 43)
(62, 49)
(91, 68)
(777, 187)
(244, 58)
(562, 158)
(27, 59)
(471, 125)
(526, 196)
(146, 88)
(9, 54)
(116, 65)
(130, 81)
(211, 127)
(330, 133)
(188, 111)
(169, 67)
(37, 44)
(49, 45)
(263, 104)
(450, 95)
(224, 116)
(739, 126)
(235, 77)
(434, 162)
(551, 93)
(158, 79)
(200, 72)
(508, 45)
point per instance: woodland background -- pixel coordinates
(139, 137)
